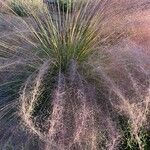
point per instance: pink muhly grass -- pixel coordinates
(69, 76)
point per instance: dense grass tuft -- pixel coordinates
(73, 80)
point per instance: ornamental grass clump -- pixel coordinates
(70, 80)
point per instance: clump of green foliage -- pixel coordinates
(18, 8)
(66, 5)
